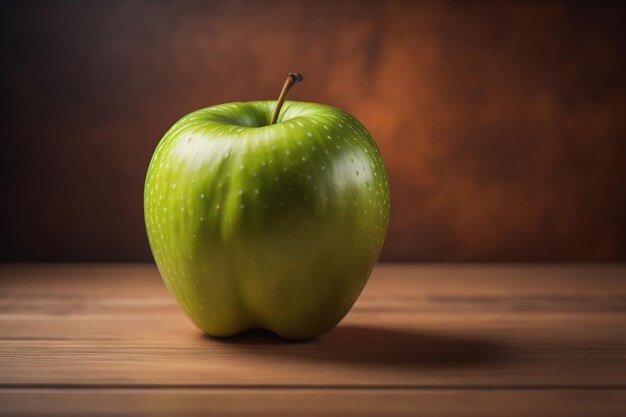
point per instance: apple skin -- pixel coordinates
(266, 226)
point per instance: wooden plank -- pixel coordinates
(437, 325)
(125, 279)
(254, 402)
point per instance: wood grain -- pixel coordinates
(250, 402)
(440, 339)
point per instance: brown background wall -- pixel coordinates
(502, 124)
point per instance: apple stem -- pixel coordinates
(292, 78)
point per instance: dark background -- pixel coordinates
(502, 124)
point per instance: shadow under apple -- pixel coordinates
(375, 346)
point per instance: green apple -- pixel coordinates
(255, 224)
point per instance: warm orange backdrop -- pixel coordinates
(502, 124)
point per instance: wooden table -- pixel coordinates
(458, 340)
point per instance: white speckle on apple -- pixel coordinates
(201, 195)
(323, 167)
(303, 159)
(174, 185)
(299, 123)
(291, 125)
(309, 134)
